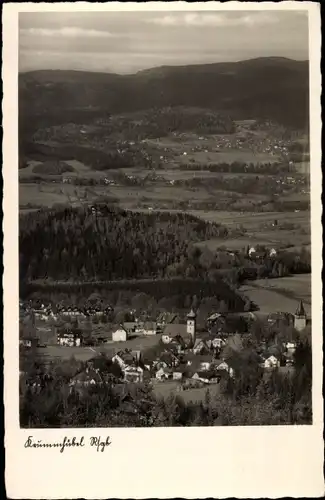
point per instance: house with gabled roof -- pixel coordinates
(200, 346)
(164, 373)
(224, 366)
(270, 361)
(119, 334)
(199, 362)
(133, 373)
(88, 377)
(207, 377)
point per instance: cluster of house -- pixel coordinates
(248, 140)
(46, 312)
(119, 333)
(186, 358)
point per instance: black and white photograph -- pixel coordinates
(164, 219)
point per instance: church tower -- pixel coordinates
(191, 326)
(300, 317)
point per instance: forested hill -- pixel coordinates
(75, 244)
(265, 88)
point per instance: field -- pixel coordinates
(226, 156)
(156, 188)
(280, 294)
(260, 230)
(53, 352)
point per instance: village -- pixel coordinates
(178, 349)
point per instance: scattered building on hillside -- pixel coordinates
(272, 252)
(133, 373)
(149, 328)
(290, 346)
(251, 252)
(199, 362)
(69, 339)
(86, 378)
(129, 362)
(119, 334)
(217, 342)
(224, 366)
(207, 377)
(178, 373)
(29, 342)
(163, 373)
(270, 361)
(300, 319)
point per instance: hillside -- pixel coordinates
(265, 88)
(75, 244)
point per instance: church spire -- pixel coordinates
(300, 309)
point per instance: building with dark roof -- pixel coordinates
(300, 321)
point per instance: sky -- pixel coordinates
(126, 42)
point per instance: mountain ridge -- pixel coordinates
(262, 88)
(153, 68)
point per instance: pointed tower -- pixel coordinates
(191, 326)
(300, 317)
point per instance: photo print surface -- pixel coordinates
(164, 219)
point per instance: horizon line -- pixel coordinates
(163, 66)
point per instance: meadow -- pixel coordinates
(230, 155)
(83, 353)
(259, 229)
(280, 294)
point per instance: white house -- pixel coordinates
(218, 342)
(290, 346)
(271, 362)
(133, 373)
(223, 365)
(120, 334)
(163, 373)
(204, 365)
(251, 251)
(69, 339)
(272, 252)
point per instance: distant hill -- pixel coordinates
(266, 88)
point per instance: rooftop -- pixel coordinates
(300, 309)
(191, 314)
